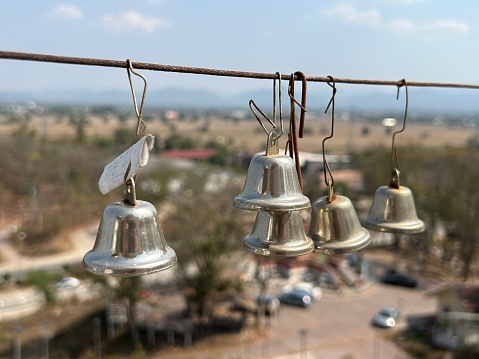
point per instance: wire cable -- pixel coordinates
(212, 72)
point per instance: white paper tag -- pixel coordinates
(137, 155)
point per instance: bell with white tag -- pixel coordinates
(130, 240)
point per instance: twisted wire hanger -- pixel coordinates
(253, 106)
(139, 112)
(394, 181)
(292, 144)
(328, 176)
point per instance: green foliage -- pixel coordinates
(123, 136)
(129, 288)
(81, 136)
(45, 282)
(222, 153)
(177, 141)
(212, 233)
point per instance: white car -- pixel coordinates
(67, 282)
(386, 318)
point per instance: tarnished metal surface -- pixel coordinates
(278, 234)
(335, 227)
(393, 210)
(271, 184)
(129, 242)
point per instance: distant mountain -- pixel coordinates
(348, 98)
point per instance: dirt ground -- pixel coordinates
(247, 135)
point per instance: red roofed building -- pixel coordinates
(196, 155)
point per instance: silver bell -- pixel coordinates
(335, 227)
(278, 234)
(393, 209)
(271, 183)
(130, 240)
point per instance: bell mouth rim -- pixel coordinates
(256, 204)
(120, 267)
(275, 249)
(340, 247)
(408, 227)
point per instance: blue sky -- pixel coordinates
(420, 40)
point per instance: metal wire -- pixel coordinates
(139, 113)
(212, 72)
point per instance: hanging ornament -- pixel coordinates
(273, 189)
(130, 240)
(393, 208)
(334, 226)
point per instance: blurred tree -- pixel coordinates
(444, 185)
(453, 197)
(129, 289)
(44, 281)
(204, 232)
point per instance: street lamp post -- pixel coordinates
(47, 337)
(303, 342)
(17, 346)
(97, 337)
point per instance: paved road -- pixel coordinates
(17, 265)
(338, 325)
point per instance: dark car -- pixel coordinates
(396, 278)
(296, 297)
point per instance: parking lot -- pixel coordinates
(338, 325)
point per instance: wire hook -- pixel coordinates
(139, 113)
(253, 106)
(394, 157)
(292, 144)
(302, 104)
(326, 169)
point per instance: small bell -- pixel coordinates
(278, 234)
(271, 183)
(393, 209)
(335, 227)
(130, 240)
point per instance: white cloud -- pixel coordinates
(404, 26)
(67, 12)
(373, 18)
(448, 25)
(133, 21)
(350, 14)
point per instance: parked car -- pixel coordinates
(67, 282)
(396, 278)
(271, 303)
(296, 297)
(387, 317)
(313, 291)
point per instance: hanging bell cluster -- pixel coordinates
(130, 240)
(393, 209)
(272, 188)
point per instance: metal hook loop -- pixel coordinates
(292, 144)
(394, 157)
(302, 104)
(253, 106)
(139, 113)
(326, 169)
